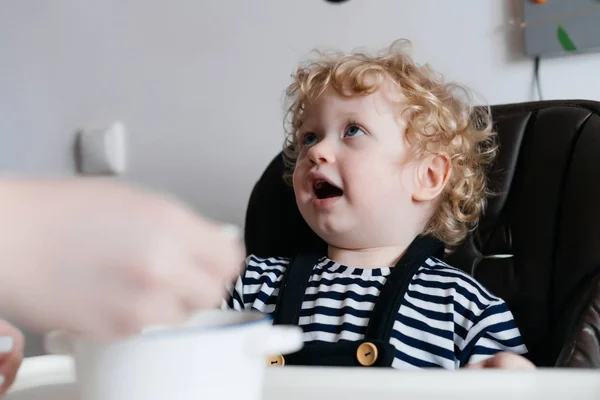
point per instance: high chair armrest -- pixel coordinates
(582, 348)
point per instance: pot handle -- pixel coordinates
(278, 340)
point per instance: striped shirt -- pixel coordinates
(446, 319)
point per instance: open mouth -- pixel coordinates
(325, 190)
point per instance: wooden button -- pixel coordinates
(276, 361)
(367, 354)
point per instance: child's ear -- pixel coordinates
(432, 173)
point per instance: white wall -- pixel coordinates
(199, 83)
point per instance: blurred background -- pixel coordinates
(199, 84)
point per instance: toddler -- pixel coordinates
(388, 165)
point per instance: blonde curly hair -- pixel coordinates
(439, 117)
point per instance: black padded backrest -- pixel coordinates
(538, 244)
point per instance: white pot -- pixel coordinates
(216, 355)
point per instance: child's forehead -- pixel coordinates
(387, 97)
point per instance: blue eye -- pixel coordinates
(353, 130)
(309, 138)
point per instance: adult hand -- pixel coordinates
(95, 257)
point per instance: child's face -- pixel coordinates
(353, 180)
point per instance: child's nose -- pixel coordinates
(322, 152)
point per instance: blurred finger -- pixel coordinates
(162, 308)
(12, 355)
(200, 289)
(219, 247)
(9, 370)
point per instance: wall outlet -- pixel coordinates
(101, 151)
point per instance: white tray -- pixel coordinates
(52, 378)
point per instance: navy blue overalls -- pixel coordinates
(375, 349)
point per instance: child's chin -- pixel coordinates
(333, 231)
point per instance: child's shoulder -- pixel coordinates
(257, 286)
(266, 264)
(438, 272)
